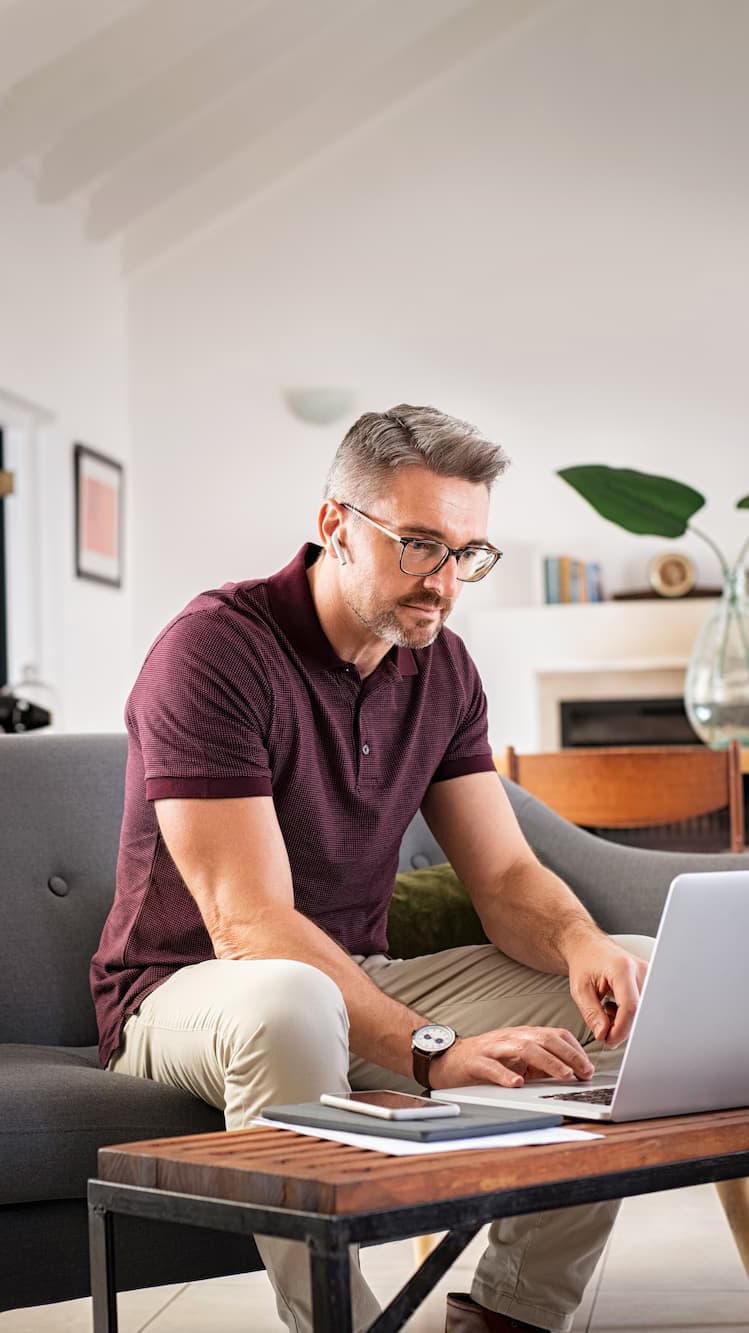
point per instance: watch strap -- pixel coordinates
(421, 1064)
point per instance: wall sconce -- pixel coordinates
(319, 405)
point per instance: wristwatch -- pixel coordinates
(427, 1043)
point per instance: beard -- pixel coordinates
(385, 623)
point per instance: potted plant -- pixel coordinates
(716, 693)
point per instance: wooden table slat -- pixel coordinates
(275, 1166)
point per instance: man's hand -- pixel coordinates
(605, 983)
(510, 1056)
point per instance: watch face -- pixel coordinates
(433, 1038)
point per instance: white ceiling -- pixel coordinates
(158, 116)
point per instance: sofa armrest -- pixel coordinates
(624, 888)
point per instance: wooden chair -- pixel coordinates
(639, 787)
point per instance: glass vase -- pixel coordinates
(716, 693)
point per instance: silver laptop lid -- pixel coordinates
(688, 1050)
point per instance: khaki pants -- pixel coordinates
(243, 1035)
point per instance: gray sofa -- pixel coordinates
(61, 807)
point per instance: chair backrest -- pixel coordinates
(636, 787)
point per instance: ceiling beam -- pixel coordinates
(363, 94)
(363, 37)
(34, 33)
(97, 145)
(35, 111)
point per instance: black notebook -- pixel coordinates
(473, 1122)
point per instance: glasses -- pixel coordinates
(421, 556)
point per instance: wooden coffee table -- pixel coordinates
(277, 1183)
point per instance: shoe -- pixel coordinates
(464, 1315)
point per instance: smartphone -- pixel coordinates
(387, 1105)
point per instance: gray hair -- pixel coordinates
(405, 436)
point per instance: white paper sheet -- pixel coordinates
(406, 1148)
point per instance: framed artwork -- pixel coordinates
(98, 516)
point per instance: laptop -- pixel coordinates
(687, 1050)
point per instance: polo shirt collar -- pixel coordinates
(294, 610)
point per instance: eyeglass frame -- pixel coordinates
(457, 551)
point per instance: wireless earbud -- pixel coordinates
(337, 548)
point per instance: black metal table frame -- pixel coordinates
(329, 1236)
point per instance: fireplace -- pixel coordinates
(638, 721)
(623, 662)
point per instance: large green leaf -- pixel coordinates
(637, 501)
(743, 503)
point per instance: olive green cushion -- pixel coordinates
(430, 911)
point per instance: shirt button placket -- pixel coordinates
(366, 765)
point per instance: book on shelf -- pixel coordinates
(570, 580)
(565, 578)
(551, 579)
(593, 581)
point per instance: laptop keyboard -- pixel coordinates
(600, 1096)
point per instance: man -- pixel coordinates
(283, 733)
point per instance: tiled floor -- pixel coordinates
(670, 1265)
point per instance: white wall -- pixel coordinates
(550, 242)
(63, 347)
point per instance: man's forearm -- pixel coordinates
(535, 918)
(380, 1028)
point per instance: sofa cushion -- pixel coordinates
(429, 911)
(57, 1106)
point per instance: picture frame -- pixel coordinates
(99, 511)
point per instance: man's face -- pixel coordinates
(402, 608)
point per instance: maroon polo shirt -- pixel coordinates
(243, 695)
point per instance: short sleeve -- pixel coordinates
(469, 750)
(200, 710)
